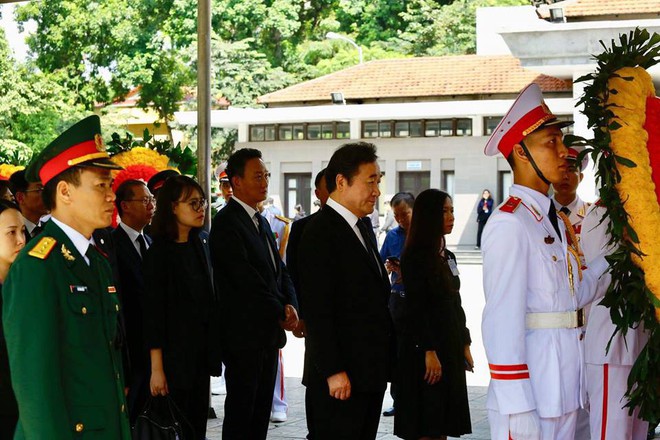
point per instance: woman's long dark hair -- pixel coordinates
(175, 188)
(427, 228)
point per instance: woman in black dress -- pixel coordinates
(434, 352)
(180, 306)
(12, 240)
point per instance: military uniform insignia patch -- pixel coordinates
(43, 248)
(512, 203)
(549, 240)
(112, 289)
(66, 253)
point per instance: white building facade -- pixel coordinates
(429, 117)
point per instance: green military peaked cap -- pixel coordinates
(80, 145)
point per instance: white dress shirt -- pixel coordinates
(79, 241)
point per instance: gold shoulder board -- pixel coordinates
(284, 219)
(43, 248)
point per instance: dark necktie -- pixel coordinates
(264, 237)
(552, 215)
(565, 210)
(368, 241)
(143, 246)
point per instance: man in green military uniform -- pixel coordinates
(60, 305)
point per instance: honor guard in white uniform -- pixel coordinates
(607, 372)
(568, 202)
(565, 195)
(535, 285)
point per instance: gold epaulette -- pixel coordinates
(43, 248)
(284, 219)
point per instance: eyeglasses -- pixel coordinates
(197, 204)
(40, 189)
(145, 200)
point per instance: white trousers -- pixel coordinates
(556, 428)
(609, 420)
(279, 394)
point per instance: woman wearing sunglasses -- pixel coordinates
(180, 307)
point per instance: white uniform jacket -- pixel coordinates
(599, 325)
(525, 270)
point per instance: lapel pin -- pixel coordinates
(549, 240)
(67, 254)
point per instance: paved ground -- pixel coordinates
(295, 427)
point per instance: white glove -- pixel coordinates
(524, 426)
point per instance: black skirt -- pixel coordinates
(430, 410)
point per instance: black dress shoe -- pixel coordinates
(389, 412)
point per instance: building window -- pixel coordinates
(313, 131)
(384, 129)
(291, 132)
(256, 133)
(297, 132)
(448, 182)
(490, 124)
(370, 130)
(463, 127)
(432, 128)
(408, 128)
(343, 130)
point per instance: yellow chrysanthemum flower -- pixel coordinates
(142, 156)
(636, 187)
(7, 170)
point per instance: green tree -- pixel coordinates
(435, 29)
(34, 108)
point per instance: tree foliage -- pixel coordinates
(87, 52)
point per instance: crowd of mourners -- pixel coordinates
(99, 323)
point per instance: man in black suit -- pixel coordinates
(297, 229)
(345, 291)
(256, 296)
(28, 198)
(135, 206)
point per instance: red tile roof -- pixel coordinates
(587, 8)
(426, 77)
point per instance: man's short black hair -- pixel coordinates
(236, 162)
(319, 176)
(18, 182)
(125, 192)
(402, 197)
(70, 176)
(346, 160)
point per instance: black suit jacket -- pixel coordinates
(292, 251)
(252, 294)
(129, 267)
(174, 316)
(345, 295)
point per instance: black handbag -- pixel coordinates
(161, 419)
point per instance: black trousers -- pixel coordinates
(250, 377)
(194, 404)
(356, 418)
(480, 230)
(138, 392)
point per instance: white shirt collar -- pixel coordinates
(250, 210)
(29, 225)
(132, 233)
(79, 241)
(350, 218)
(541, 200)
(571, 206)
